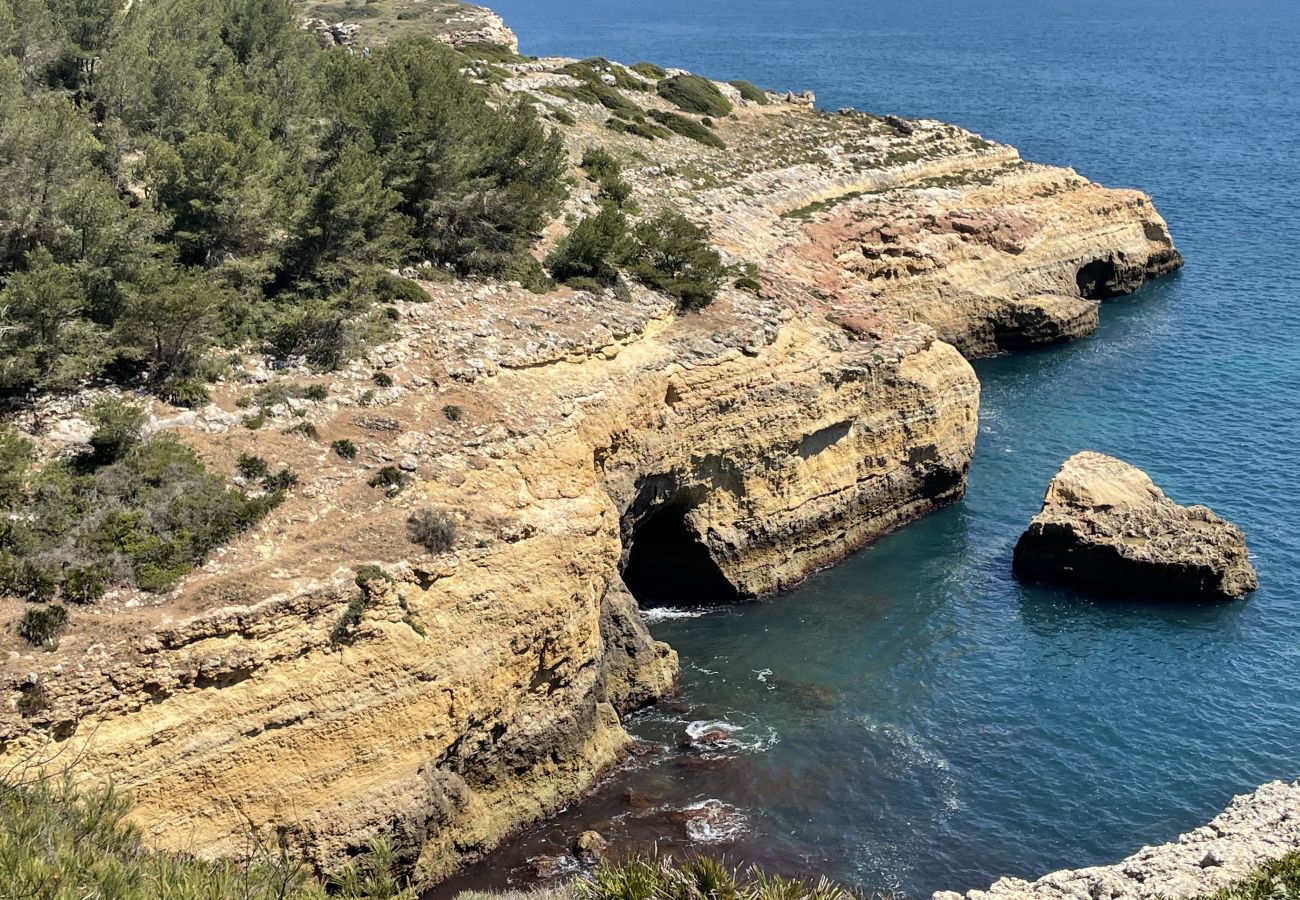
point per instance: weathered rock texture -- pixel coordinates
(1255, 828)
(572, 435)
(1106, 527)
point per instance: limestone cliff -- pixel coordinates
(574, 438)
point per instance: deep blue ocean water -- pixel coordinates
(914, 718)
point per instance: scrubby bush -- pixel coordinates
(750, 92)
(15, 457)
(251, 467)
(687, 128)
(432, 529)
(593, 250)
(118, 427)
(389, 477)
(640, 129)
(63, 840)
(382, 379)
(187, 392)
(673, 255)
(303, 429)
(281, 481)
(605, 169)
(696, 878)
(695, 94)
(392, 288)
(649, 70)
(344, 448)
(452, 413)
(41, 625)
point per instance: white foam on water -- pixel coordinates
(716, 738)
(715, 822)
(763, 675)
(665, 613)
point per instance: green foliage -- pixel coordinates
(690, 128)
(344, 448)
(389, 477)
(368, 573)
(673, 255)
(452, 413)
(58, 840)
(696, 878)
(605, 169)
(694, 94)
(254, 468)
(649, 70)
(747, 278)
(392, 289)
(593, 250)
(303, 429)
(118, 426)
(137, 513)
(180, 173)
(750, 92)
(432, 529)
(640, 129)
(348, 622)
(15, 458)
(40, 625)
(597, 68)
(382, 379)
(1277, 879)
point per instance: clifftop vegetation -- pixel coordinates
(181, 174)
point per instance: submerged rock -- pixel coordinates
(1105, 526)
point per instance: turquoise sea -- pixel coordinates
(914, 718)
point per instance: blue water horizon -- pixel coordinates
(926, 721)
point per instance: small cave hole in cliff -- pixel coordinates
(669, 566)
(1098, 280)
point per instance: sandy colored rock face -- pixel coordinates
(569, 435)
(1254, 829)
(1106, 527)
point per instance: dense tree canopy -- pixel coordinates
(179, 173)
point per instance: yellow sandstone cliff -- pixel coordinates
(736, 449)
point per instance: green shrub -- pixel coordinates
(251, 467)
(649, 70)
(118, 427)
(750, 92)
(390, 478)
(747, 278)
(255, 421)
(303, 429)
(673, 255)
(21, 576)
(564, 117)
(368, 573)
(315, 393)
(186, 392)
(452, 413)
(687, 128)
(348, 622)
(593, 250)
(640, 129)
(392, 288)
(344, 448)
(85, 584)
(382, 379)
(432, 529)
(15, 457)
(278, 482)
(696, 878)
(603, 168)
(1273, 880)
(695, 94)
(41, 625)
(62, 840)
(593, 68)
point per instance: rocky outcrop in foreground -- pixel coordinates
(1106, 527)
(1255, 829)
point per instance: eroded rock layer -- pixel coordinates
(573, 438)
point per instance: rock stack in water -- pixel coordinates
(1106, 527)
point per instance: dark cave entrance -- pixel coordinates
(667, 565)
(1098, 280)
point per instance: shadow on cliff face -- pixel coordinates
(668, 565)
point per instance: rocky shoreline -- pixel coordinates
(1256, 828)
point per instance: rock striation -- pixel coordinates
(1256, 828)
(575, 439)
(1106, 527)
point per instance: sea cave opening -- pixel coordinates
(668, 565)
(1098, 280)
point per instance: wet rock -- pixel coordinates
(590, 847)
(1106, 527)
